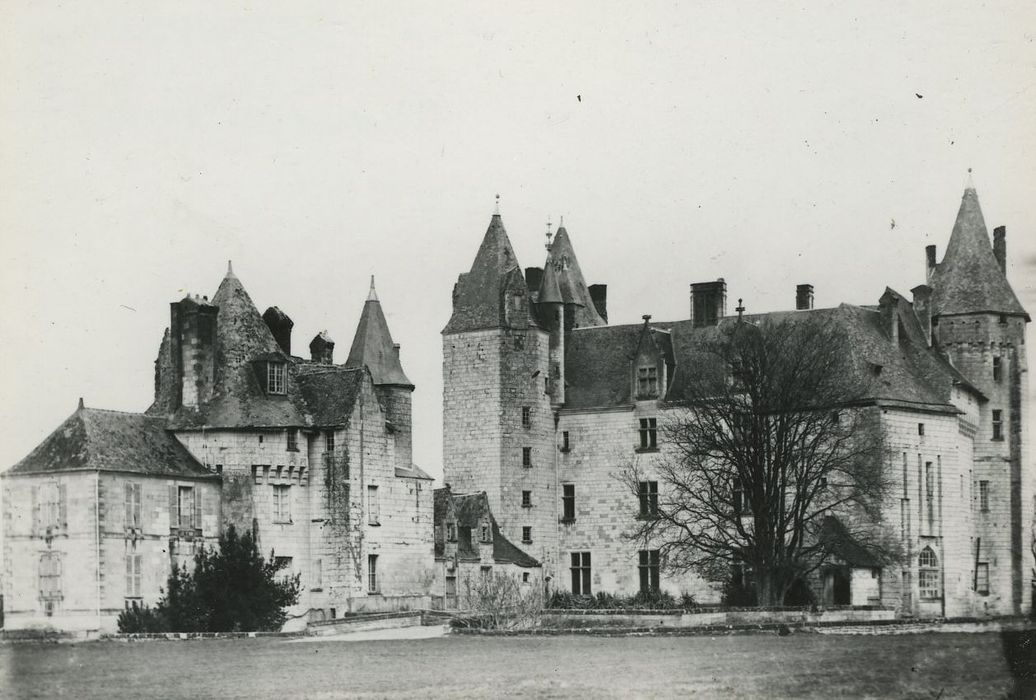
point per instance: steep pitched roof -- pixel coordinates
(93, 439)
(969, 280)
(327, 393)
(572, 286)
(477, 301)
(470, 510)
(373, 347)
(414, 472)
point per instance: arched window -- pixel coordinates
(928, 573)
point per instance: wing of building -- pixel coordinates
(314, 458)
(544, 402)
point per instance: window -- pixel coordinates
(982, 578)
(451, 532)
(329, 442)
(185, 507)
(526, 535)
(648, 570)
(133, 575)
(293, 440)
(275, 378)
(737, 497)
(526, 499)
(519, 342)
(1003, 319)
(372, 573)
(50, 506)
(132, 492)
(525, 577)
(983, 496)
(526, 456)
(281, 503)
(568, 502)
(486, 572)
(487, 533)
(451, 586)
(998, 424)
(318, 574)
(648, 433)
(565, 445)
(373, 508)
(50, 577)
(581, 573)
(526, 417)
(928, 573)
(920, 429)
(648, 492)
(647, 381)
(998, 369)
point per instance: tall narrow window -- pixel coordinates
(526, 417)
(982, 578)
(648, 433)
(928, 573)
(133, 575)
(281, 503)
(568, 502)
(318, 574)
(50, 506)
(487, 532)
(737, 497)
(526, 456)
(293, 440)
(581, 573)
(373, 507)
(526, 535)
(998, 424)
(451, 531)
(526, 499)
(648, 570)
(185, 508)
(983, 496)
(929, 489)
(50, 577)
(372, 573)
(329, 442)
(648, 492)
(920, 429)
(565, 445)
(998, 369)
(647, 382)
(132, 505)
(275, 378)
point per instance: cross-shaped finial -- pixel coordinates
(740, 308)
(496, 209)
(548, 234)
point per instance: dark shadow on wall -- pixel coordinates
(1020, 655)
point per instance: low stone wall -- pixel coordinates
(717, 618)
(364, 623)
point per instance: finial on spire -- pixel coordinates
(970, 182)
(496, 208)
(740, 308)
(230, 268)
(549, 235)
(372, 295)
(81, 406)
(561, 223)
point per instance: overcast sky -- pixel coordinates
(142, 145)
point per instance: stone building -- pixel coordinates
(544, 403)
(314, 458)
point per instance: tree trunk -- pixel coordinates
(769, 591)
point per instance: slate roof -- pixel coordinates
(414, 472)
(469, 510)
(326, 394)
(477, 297)
(372, 346)
(839, 541)
(969, 280)
(568, 277)
(599, 360)
(92, 439)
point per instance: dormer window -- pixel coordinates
(275, 383)
(451, 532)
(487, 533)
(647, 381)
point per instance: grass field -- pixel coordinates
(800, 665)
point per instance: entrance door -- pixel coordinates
(837, 589)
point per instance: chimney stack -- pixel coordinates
(889, 308)
(708, 302)
(280, 325)
(1000, 247)
(533, 277)
(923, 309)
(803, 297)
(192, 345)
(322, 349)
(929, 257)
(599, 295)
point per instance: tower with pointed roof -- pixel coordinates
(977, 322)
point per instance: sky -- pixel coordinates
(143, 145)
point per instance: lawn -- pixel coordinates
(800, 665)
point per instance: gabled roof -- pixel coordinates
(92, 439)
(969, 280)
(414, 472)
(470, 510)
(477, 301)
(326, 394)
(569, 278)
(373, 347)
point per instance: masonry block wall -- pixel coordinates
(601, 444)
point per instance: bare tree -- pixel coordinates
(767, 437)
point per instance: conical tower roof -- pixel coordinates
(373, 347)
(241, 333)
(550, 291)
(969, 280)
(562, 258)
(476, 302)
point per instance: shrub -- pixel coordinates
(140, 619)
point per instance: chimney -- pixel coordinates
(322, 349)
(599, 295)
(923, 309)
(708, 302)
(192, 346)
(280, 326)
(889, 307)
(929, 259)
(533, 277)
(1000, 247)
(803, 297)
